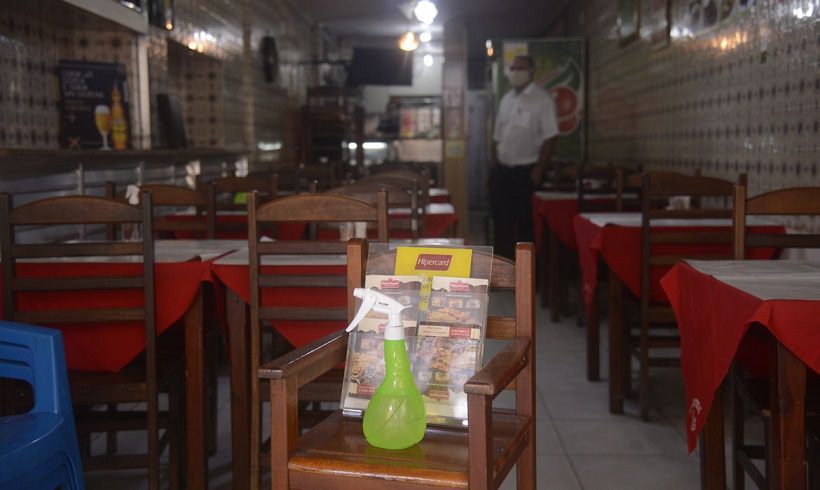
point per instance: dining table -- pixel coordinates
(615, 239)
(716, 303)
(182, 269)
(439, 195)
(553, 213)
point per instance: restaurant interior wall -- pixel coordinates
(35, 34)
(740, 96)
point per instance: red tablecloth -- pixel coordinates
(298, 333)
(558, 214)
(102, 347)
(713, 318)
(620, 247)
(440, 198)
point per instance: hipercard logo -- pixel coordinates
(433, 262)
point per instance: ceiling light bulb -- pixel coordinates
(425, 11)
(428, 60)
(425, 37)
(408, 41)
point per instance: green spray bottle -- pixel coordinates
(395, 417)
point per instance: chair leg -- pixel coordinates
(213, 398)
(526, 475)
(738, 431)
(111, 436)
(644, 370)
(153, 442)
(176, 428)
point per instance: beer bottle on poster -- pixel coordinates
(119, 127)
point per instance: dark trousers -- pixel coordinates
(511, 192)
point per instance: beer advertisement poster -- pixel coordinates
(93, 106)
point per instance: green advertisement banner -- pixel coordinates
(559, 69)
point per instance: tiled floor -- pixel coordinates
(579, 446)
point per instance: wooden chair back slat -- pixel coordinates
(76, 283)
(798, 201)
(302, 281)
(73, 210)
(794, 201)
(42, 250)
(308, 314)
(501, 328)
(301, 247)
(81, 316)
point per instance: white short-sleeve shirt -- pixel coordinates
(524, 121)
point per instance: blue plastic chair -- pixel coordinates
(38, 449)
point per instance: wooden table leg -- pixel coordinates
(195, 396)
(788, 395)
(617, 345)
(712, 457)
(593, 337)
(556, 292)
(240, 390)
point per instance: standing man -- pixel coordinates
(523, 140)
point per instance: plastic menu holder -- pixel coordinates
(446, 289)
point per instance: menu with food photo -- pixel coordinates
(445, 321)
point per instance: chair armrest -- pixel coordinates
(308, 362)
(501, 370)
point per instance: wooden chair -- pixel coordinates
(176, 196)
(143, 379)
(749, 393)
(334, 454)
(418, 182)
(397, 197)
(226, 187)
(324, 208)
(656, 189)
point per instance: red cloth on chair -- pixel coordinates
(298, 333)
(712, 319)
(106, 347)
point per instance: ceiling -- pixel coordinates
(358, 22)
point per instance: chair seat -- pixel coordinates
(336, 448)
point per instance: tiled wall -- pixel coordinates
(740, 96)
(34, 36)
(200, 60)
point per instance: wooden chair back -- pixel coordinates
(226, 187)
(485, 463)
(204, 201)
(397, 197)
(417, 182)
(795, 201)
(85, 210)
(311, 208)
(661, 249)
(595, 179)
(659, 187)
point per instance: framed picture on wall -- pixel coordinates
(657, 20)
(628, 21)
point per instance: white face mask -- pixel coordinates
(518, 78)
